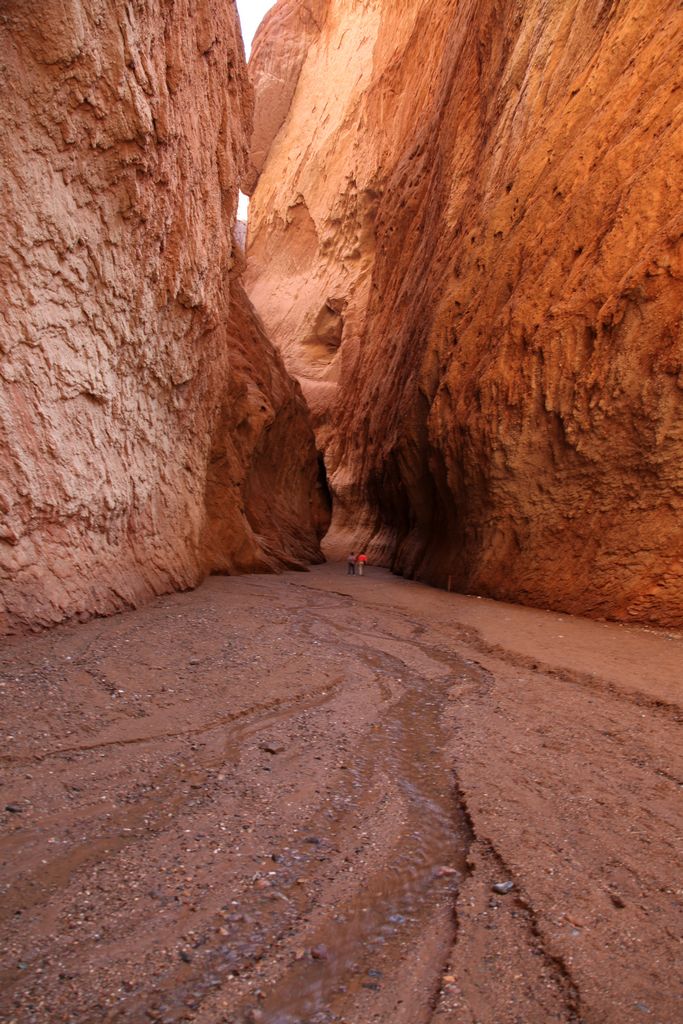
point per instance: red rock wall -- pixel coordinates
(124, 355)
(263, 467)
(509, 407)
(278, 55)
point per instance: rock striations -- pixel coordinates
(466, 240)
(146, 421)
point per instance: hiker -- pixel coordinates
(361, 562)
(351, 565)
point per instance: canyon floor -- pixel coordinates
(290, 798)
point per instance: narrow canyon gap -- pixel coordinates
(263, 796)
(465, 237)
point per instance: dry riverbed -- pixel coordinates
(317, 799)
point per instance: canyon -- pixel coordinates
(465, 237)
(456, 244)
(239, 782)
(150, 433)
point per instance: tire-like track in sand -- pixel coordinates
(289, 799)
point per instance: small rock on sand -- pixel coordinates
(446, 872)
(503, 888)
(273, 748)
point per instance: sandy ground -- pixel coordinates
(289, 799)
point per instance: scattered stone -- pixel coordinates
(273, 748)
(185, 956)
(193, 661)
(503, 888)
(320, 953)
(576, 920)
(445, 872)
(313, 841)
(253, 1016)
(14, 808)
(617, 900)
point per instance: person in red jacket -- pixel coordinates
(361, 562)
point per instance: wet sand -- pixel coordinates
(288, 799)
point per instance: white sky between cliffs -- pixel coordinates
(252, 13)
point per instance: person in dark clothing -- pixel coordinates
(351, 565)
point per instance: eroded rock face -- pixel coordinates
(490, 197)
(311, 220)
(263, 472)
(138, 387)
(278, 55)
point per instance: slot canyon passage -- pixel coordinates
(238, 783)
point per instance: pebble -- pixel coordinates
(185, 956)
(319, 953)
(445, 872)
(576, 920)
(503, 888)
(14, 808)
(273, 748)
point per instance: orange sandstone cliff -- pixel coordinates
(466, 240)
(145, 419)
